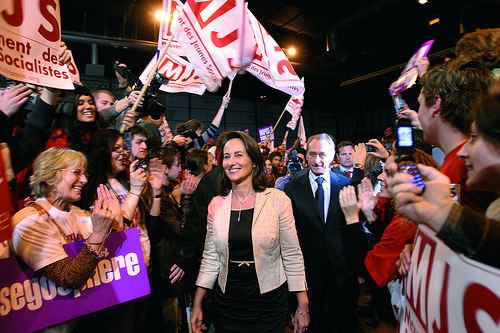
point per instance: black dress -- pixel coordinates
(243, 308)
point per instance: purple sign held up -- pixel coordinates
(410, 74)
(29, 302)
(264, 133)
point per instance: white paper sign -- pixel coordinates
(30, 33)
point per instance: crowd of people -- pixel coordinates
(251, 240)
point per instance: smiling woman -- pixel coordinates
(264, 252)
(41, 230)
(75, 123)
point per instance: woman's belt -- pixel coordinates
(242, 262)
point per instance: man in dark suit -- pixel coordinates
(321, 228)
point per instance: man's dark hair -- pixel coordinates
(458, 83)
(344, 143)
(301, 150)
(136, 129)
(190, 125)
(486, 114)
(482, 45)
(274, 154)
(259, 179)
(165, 153)
(195, 161)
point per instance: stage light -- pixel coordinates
(160, 15)
(422, 2)
(292, 51)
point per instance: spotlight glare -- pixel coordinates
(422, 2)
(291, 51)
(160, 15)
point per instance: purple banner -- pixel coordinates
(29, 302)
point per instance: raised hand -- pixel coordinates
(380, 150)
(12, 99)
(133, 97)
(138, 177)
(225, 101)
(181, 141)
(64, 53)
(366, 199)
(122, 81)
(430, 207)
(102, 216)
(189, 183)
(349, 204)
(422, 66)
(157, 175)
(359, 154)
(111, 202)
(410, 114)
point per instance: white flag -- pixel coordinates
(270, 64)
(171, 10)
(294, 106)
(181, 74)
(302, 133)
(217, 38)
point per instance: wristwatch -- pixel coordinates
(358, 166)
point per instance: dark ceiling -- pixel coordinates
(363, 36)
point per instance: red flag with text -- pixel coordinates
(180, 73)
(216, 37)
(270, 64)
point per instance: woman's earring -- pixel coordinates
(254, 166)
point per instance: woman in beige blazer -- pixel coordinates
(251, 249)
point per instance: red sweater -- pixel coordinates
(381, 260)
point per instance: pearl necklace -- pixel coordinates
(241, 202)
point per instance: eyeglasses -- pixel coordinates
(77, 173)
(120, 149)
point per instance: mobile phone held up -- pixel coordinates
(405, 149)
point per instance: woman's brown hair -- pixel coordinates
(252, 149)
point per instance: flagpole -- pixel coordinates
(151, 75)
(230, 87)
(279, 119)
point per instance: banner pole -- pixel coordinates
(279, 119)
(131, 112)
(228, 93)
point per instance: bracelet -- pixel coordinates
(303, 314)
(98, 255)
(87, 240)
(137, 195)
(158, 196)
